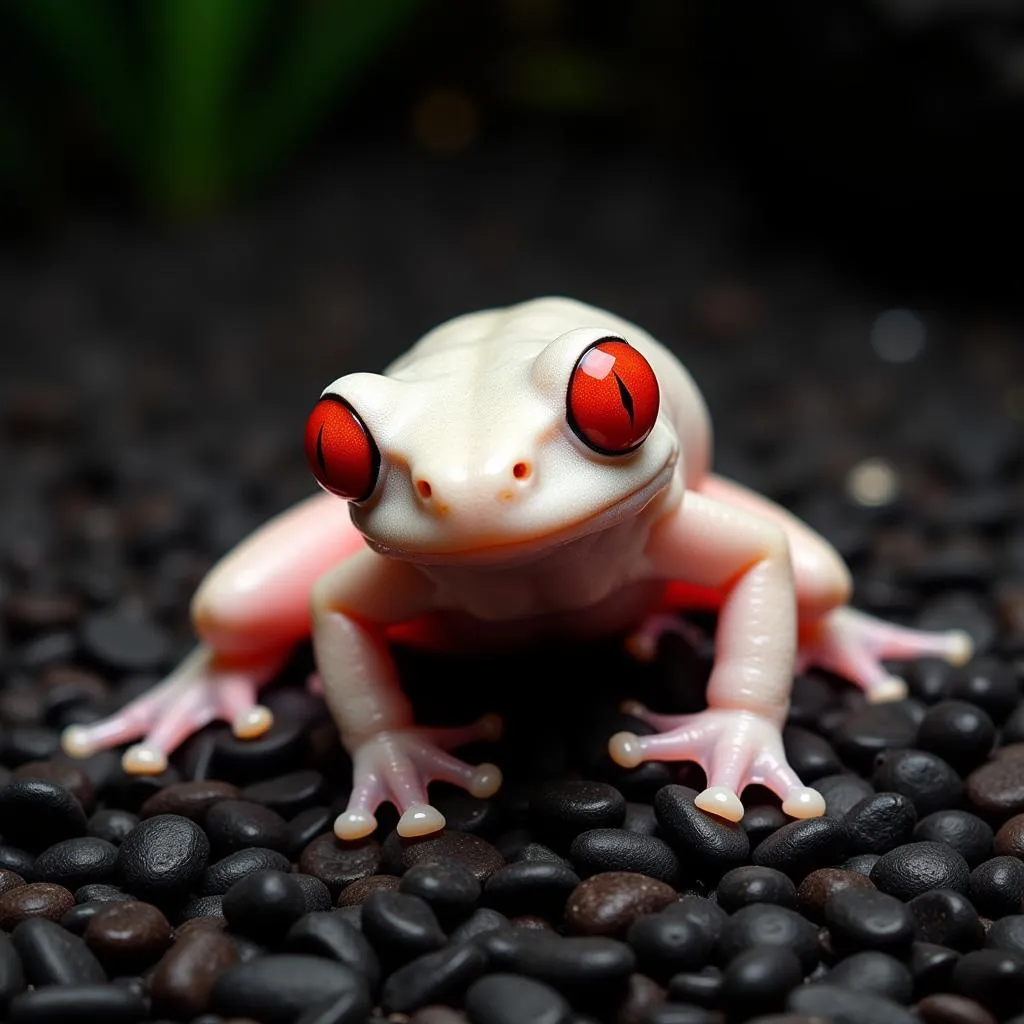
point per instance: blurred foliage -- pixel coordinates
(195, 100)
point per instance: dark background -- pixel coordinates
(211, 208)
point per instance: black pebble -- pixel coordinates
(203, 906)
(344, 1009)
(811, 756)
(836, 1003)
(1007, 934)
(509, 999)
(961, 734)
(640, 818)
(760, 979)
(947, 918)
(279, 749)
(800, 847)
(74, 862)
(264, 905)
(916, 868)
(765, 925)
(841, 792)
(880, 823)
(51, 955)
(439, 977)
(760, 820)
(929, 782)
(988, 683)
(305, 827)
(100, 892)
(122, 642)
(932, 967)
(276, 989)
(683, 1013)
(705, 841)
(862, 863)
(162, 857)
(531, 887)
(993, 978)
(480, 922)
(12, 975)
(13, 858)
(238, 824)
(112, 824)
(871, 729)
(578, 966)
(703, 987)
(112, 1004)
(871, 971)
(560, 811)
(326, 934)
(36, 814)
(667, 943)
(450, 889)
(751, 884)
(860, 919)
(997, 886)
(314, 892)
(78, 917)
(965, 832)
(217, 878)
(616, 849)
(708, 916)
(400, 927)
(289, 794)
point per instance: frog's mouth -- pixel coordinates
(530, 548)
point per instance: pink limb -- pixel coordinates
(735, 748)
(195, 694)
(853, 645)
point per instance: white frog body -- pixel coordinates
(528, 471)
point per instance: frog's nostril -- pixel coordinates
(522, 470)
(424, 489)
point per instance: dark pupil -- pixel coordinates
(625, 397)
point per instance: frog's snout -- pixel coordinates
(443, 494)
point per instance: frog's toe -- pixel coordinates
(804, 802)
(253, 722)
(722, 801)
(420, 820)
(355, 824)
(144, 759)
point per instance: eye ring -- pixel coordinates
(613, 398)
(340, 450)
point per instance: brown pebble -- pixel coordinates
(477, 855)
(128, 936)
(189, 799)
(181, 982)
(642, 996)
(27, 612)
(608, 903)
(818, 886)
(88, 684)
(64, 774)
(531, 923)
(338, 864)
(9, 880)
(1009, 840)
(202, 923)
(356, 894)
(945, 1008)
(37, 899)
(996, 789)
(438, 1015)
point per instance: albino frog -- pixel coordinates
(540, 469)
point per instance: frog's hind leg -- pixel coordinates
(854, 645)
(249, 612)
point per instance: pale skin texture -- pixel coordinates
(578, 543)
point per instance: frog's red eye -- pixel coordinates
(613, 398)
(340, 450)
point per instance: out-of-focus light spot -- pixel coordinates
(898, 335)
(1013, 403)
(873, 483)
(445, 120)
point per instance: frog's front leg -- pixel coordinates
(249, 612)
(737, 740)
(392, 758)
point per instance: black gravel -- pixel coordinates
(143, 432)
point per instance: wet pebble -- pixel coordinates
(819, 886)
(800, 847)
(869, 730)
(238, 824)
(925, 779)
(707, 842)
(666, 944)
(510, 999)
(189, 799)
(218, 877)
(276, 989)
(932, 966)
(880, 823)
(530, 887)
(965, 832)
(749, 884)
(442, 976)
(16, 860)
(765, 925)
(450, 889)
(264, 905)
(289, 794)
(961, 734)
(612, 849)
(401, 927)
(326, 934)
(68, 1004)
(36, 814)
(67, 775)
(162, 857)
(560, 811)
(338, 864)
(129, 936)
(989, 684)
(1007, 933)
(703, 987)
(997, 886)
(316, 895)
(862, 919)
(74, 862)
(305, 827)
(480, 922)
(37, 899)
(872, 971)
(180, 984)
(51, 955)
(996, 789)
(916, 868)
(608, 903)
(759, 980)
(843, 791)
(993, 978)
(947, 918)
